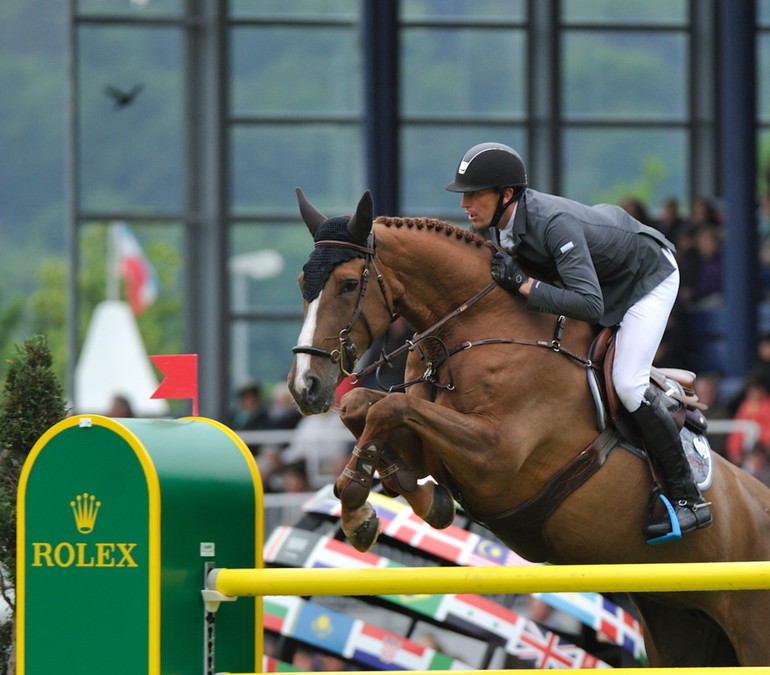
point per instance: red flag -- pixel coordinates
(181, 377)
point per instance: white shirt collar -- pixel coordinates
(506, 234)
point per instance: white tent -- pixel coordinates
(114, 362)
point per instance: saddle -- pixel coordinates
(677, 385)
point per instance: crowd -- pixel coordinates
(699, 241)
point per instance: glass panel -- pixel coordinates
(269, 161)
(130, 118)
(264, 264)
(262, 350)
(268, 8)
(625, 75)
(609, 11)
(131, 7)
(430, 156)
(507, 10)
(265, 261)
(763, 77)
(277, 69)
(453, 71)
(763, 12)
(610, 165)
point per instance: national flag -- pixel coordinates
(383, 650)
(323, 627)
(279, 613)
(622, 629)
(290, 547)
(480, 616)
(549, 650)
(488, 553)
(272, 665)
(136, 269)
(181, 381)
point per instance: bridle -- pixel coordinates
(347, 353)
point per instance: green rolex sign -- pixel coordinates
(117, 521)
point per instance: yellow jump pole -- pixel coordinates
(664, 577)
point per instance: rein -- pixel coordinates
(348, 353)
(432, 366)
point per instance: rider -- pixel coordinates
(613, 271)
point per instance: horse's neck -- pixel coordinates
(430, 275)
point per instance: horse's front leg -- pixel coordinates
(430, 501)
(407, 423)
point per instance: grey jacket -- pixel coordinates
(605, 259)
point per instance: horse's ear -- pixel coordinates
(310, 214)
(360, 224)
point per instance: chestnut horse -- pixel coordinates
(500, 404)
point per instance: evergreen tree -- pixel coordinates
(32, 401)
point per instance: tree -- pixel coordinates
(32, 401)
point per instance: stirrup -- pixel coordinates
(676, 530)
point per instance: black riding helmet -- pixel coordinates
(491, 165)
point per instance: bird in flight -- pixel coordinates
(123, 98)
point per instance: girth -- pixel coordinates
(522, 527)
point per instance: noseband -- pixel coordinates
(347, 354)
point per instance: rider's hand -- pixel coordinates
(506, 272)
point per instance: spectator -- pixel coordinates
(282, 412)
(708, 390)
(704, 212)
(754, 406)
(293, 477)
(250, 412)
(757, 463)
(707, 290)
(323, 442)
(689, 261)
(120, 407)
(636, 208)
(671, 223)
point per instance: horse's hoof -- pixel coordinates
(442, 508)
(364, 535)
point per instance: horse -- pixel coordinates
(497, 408)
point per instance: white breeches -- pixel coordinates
(639, 336)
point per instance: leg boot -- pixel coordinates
(662, 442)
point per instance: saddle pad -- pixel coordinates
(698, 451)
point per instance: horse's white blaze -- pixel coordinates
(306, 338)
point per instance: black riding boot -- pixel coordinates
(662, 442)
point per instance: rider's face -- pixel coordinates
(480, 207)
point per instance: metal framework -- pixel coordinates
(721, 48)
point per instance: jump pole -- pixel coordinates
(659, 577)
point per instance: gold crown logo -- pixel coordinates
(85, 507)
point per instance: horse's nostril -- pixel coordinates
(313, 387)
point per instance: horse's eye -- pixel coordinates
(348, 286)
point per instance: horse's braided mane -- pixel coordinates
(434, 225)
